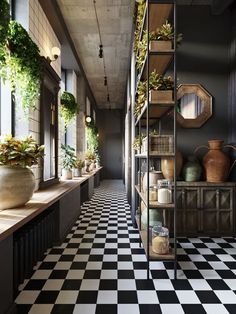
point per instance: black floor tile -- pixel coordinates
(71, 284)
(167, 297)
(193, 309)
(62, 309)
(106, 308)
(150, 309)
(47, 297)
(207, 297)
(87, 297)
(127, 297)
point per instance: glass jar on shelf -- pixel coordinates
(152, 193)
(164, 191)
(160, 240)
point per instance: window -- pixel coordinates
(49, 124)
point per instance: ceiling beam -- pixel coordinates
(219, 6)
(71, 59)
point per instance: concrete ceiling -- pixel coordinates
(115, 19)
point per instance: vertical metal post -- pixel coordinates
(148, 144)
(175, 142)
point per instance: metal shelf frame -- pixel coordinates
(148, 156)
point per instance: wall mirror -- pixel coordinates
(194, 105)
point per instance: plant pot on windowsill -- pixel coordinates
(78, 172)
(161, 96)
(67, 174)
(17, 181)
(160, 45)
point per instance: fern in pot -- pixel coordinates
(17, 181)
(68, 161)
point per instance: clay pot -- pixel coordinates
(167, 166)
(16, 186)
(153, 177)
(192, 170)
(216, 163)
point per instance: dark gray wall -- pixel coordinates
(203, 58)
(109, 123)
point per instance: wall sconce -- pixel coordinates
(56, 52)
(88, 119)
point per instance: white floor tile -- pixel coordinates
(67, 297)
(84, 309)
(209, 274)
(109, 274)
(53, 284)
(41, 274)
(107, 297)
(94, 265)
(163, 284)
(75, 274)
(128, 308)
(90, 284)
(147, 297)
(171, 308)
(41, 309)
(187, 297)
(215, 309)
(126, 284)
(27, 297)
(63, 265)
(226, 296)
(199, 284)
(231, 283)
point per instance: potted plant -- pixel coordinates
(137, 143)
(162, 38)
(161, 88)
(141, 97)
(79, 165)
(90, 159)
(69, 107)
(68, 161)
(17, 181)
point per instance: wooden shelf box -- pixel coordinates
(160, 45)
(161, 96)
(159, 144)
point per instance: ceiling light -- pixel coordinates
(100, 51)
(88, 119)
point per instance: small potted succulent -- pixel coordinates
(68, 161)
(162, 38)
(161, 88)
(17, 181)
(90, 160)
(79, 165)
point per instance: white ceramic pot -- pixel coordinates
(153, 177)
(16, 186)
(66, 174)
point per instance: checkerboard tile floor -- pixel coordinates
(100, 269)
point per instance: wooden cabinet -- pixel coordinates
(205, 209)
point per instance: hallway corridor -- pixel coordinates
(101, 269)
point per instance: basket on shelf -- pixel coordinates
(159, 144)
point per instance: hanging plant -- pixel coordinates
(92, 139)
(4, 21)
(20, 64)
(69, 107)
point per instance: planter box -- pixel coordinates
(161, 96)
(159, 144)
(160, 45)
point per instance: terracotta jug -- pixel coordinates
(167, 166)
(216, 163)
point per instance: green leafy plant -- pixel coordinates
(69, 157)
(138, 141)
(79, 163)
(141, 4)
(141, 97)
(159, 82)
(165, 32)
(90, 156)
(92, 138)
(142, 51)
(19, 153)
(20, 64)
(4, 21)
(69, 107)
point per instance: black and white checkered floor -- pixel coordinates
(101, 269)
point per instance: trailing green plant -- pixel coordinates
(19, 153)
(159, 82)
(92, 136)
(138, 141)
(141, 97)
(4, 21)
(69, 107)
(79, 163)
(165, 32)
(20, 64)
(69, 157)
(141, 4)
(142, 51)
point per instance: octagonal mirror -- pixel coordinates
(194, 105)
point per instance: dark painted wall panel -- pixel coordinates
(110, 130)
(203, 58)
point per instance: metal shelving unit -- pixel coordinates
(155, 14)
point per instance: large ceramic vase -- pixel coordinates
(167, 166)
(192, 170)
(216, 162)
(16, 186)
(155, 216)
